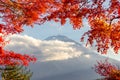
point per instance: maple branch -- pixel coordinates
(113, 19)
(84, 2)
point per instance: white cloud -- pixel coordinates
(44, 50)
(87, 56)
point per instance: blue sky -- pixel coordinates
(51, 28)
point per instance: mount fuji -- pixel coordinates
(77, 68)
(58, 57)
(61, 38)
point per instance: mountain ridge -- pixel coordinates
(60, 59)
(61, 38)
(79, 68)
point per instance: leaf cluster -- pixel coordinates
(108, 70)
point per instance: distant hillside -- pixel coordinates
(58, 58)
(79, 68)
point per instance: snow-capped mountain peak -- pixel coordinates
(62, 38)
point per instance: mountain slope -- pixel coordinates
(58, 58)
(71, 69)
(78, 68)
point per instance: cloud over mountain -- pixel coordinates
(47, 50)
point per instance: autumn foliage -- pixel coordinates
(10, 23)
(108, 70)
(102, 16)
